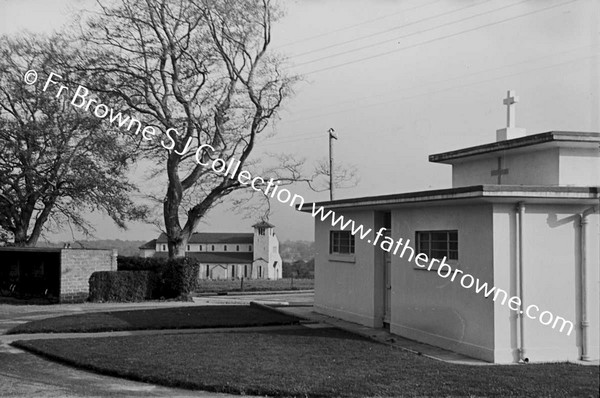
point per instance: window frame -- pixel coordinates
(339, 240)
(451, 254)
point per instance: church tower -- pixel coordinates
(267, 262)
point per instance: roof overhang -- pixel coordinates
(542, 141)
(471, 194)
(32, 249)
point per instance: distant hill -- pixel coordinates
(295, 250)
(299, 269)
(124, 247)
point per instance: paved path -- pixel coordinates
(26, 375)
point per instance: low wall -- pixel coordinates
(76, 267)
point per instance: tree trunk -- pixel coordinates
(21, 237)
(177, 248)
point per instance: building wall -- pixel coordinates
(532, 168)
(580, 167)
(220, 247)
(211, 247)
(224, 271)
(345, 284)
(551, 278)
(147, 253)
(438, 311)
(266, 250)
(553, 166)
(275, 266)
(77, 265)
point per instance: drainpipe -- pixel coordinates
(583, 274)
(520, 292)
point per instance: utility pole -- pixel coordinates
(332, 136)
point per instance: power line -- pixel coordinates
(412, 34)
(453, 78)
(438, 38)
(387, 30)
(357, 24)
(445, 89)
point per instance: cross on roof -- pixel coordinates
(511, 110)
(500, 171)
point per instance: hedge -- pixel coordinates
(178, 277)
(125, 263)
(122, 285)
(144, 280)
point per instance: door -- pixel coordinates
(387, 280)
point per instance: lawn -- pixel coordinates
(254, 285)
(307, 362)
(163, 318)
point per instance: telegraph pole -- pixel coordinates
(332, 136)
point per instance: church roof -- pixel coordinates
(562, 194)
(222, 258)
(536, 139)
(263, 224)
(215, 237)
(149, 245)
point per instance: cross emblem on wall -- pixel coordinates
(499, 171)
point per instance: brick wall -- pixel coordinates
(76, 267)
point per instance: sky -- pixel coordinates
(398, 81)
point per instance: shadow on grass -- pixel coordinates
(222, 316)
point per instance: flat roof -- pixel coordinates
(567, 194)
(215, 237)
(536, 139)
(32, 249)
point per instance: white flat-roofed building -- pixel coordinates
(522, 216)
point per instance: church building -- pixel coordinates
(229, 255)
(522, 215)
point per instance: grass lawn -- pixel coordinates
(163, 318)
(254, 285)
(307, 362)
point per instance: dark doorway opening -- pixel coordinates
(31, 276)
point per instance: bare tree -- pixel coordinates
(200, 72)
(56, 162)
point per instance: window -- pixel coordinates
(260, 272)
(200, 247)
(438, 244)
(188, 248)
(212, 247)
(224, 248)
(233, 271)
(245, 271)
(261, 231)
(237, 248)
(164, 248)
(250, 248)
(341, 242)
(208, 271)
